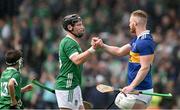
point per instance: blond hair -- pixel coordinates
(142, 15)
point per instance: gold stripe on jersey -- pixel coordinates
(134, 57)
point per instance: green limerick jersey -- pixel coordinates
(70, 73)
(6, 75)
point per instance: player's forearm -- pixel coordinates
(140, 76)
(118, 51)
(83, 57)
(112, 50)
(12, 93)
(24, 89)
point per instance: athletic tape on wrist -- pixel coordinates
(91, 50)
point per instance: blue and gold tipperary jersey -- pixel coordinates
(140, 46)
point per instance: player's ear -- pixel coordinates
(69, 27)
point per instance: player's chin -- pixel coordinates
(132, 31)
(82, 31)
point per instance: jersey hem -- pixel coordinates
(63, 88)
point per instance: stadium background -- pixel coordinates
(33, 26)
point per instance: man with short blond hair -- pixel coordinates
(141, 52)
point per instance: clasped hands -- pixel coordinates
(97, 43)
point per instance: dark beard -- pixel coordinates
(77, 36)
(80, 35)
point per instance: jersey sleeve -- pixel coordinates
(145, 47)
(16, 78)
(70, 48)
(132, 41)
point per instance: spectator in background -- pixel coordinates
(5, 33)
(49, 99)
(25, 33)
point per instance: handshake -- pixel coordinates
(97, 43)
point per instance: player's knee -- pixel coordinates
(125, 102)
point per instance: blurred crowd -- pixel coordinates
(34, 26)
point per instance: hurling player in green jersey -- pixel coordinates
(71, 59)
(10, 92)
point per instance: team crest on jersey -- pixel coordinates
(134, 45)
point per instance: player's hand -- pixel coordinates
(127, 89)
(13, 104)
(13, 107)
(96, 42)
(93, 40)
(29, 87)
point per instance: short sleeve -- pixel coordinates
(16, 78)
(145, 47)
(70, 48)
(132, 41)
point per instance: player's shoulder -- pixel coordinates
(146, 42)
(15, 72)
(64, 40)
(10, 72)
(145, 37)
(67, 40)
(16, 75)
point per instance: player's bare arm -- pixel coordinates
(80, 58)
(27, 88)
(118, 51)
(83, 57)
(145, 62)
(11, 89)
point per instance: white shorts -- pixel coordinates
(128, 102)
(145, 98)
(71, 99)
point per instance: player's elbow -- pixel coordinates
(145, 68)
(119, 54)
(78, 62)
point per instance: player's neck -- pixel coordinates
(140, 30)
(73, 37)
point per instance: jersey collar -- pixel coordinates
(67, 35)
(143, 33)
(9, 68)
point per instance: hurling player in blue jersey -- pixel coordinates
(141, 52)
